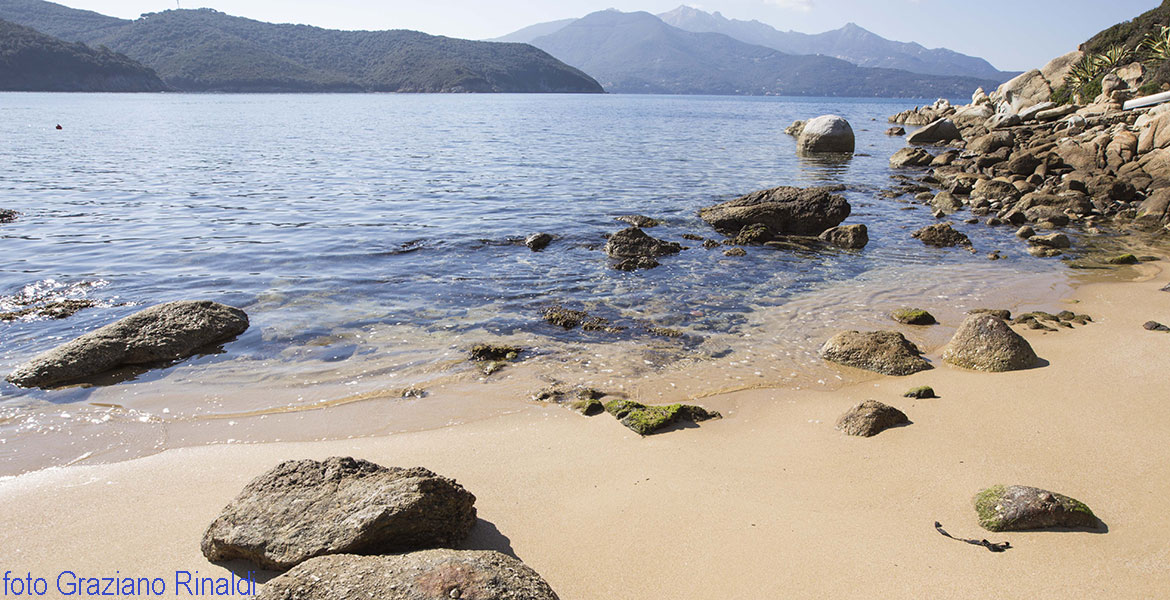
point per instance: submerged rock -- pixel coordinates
(584, 400)
(632, 242)
(735, 252)
(913, 316)
(783, 210)
(302, 509)
(870, 418)
(1019, 508)
(538, 241)
(158, 334)
(826, 134)
(885, 352)
(571, 319)
(852, 237)
(425, 575)
(941, 235)
(1124, 259)
(896, 130)
(921, 392)
(60, 309)
(986, 343)
(634, 264)
(486, 352)
(7, 216)
(645, 420)
(639, 221)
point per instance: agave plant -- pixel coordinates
(1156, 46)
(1113, 56)
(1083, 72)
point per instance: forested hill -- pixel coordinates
(206, 50)
(33, 61)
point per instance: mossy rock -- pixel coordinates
(913, 316)
(494, 352)
(921, 392)
(666, 332)
(1124, 259)
(645, 420)
(587, 406)
(1020, 508)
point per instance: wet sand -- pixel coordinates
(770, 501)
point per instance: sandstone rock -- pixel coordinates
(1025, 232)
(1059, 241)
(1002, 121)
(1155, 134)
(826, 134)
(942, 130)
(852, 237)
(632, 242)
(1006, 315)
(161, 333)
(885, 352)
(994, 189)
(911, 157)
(302, 509)
(972, 116)
(1155, 210)
(1054, 114)
(426, 575)
(992, 141)
(870, 418)
(1030, 113)
(941, 235)
(946, 202)
(538, 241)
(1019, 508)
(1047, 214)
(1025, 90)
(913, 316)
(986, 343)
(945, 158)
(645, 420)
(784, 210)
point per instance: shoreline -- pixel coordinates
(769, 498)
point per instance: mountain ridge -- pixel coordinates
(32, 61)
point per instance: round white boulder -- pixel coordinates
(827, 133)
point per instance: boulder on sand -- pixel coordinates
(425, 575)
(985, 342)
(783, 210)
(1019, 507)
(157, 334)
(885, 352)
(302, 509)
(870, 418)
(826, 134)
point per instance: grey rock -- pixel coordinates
(826, 134)
(1155, 326)
(783, 210)
(911, 157)
(985, 342)
(427, 575)
(1019, 508)
(165, 332)
(632, 242)
(303, 509)
(870, 418)
(853, 237)
(1030, 113)
(942, 130)
(885, 352)
(538, 241)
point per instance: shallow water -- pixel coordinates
(372, 238)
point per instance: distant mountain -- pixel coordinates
(526, 35)
(206, 50)
(639, 53)
(851, 42)
(34, 62)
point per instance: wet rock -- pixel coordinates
(945, 202)
(853, 237)
(1124, 259)
(735, 252)
(570, 319)
(911, 157)
(784, 210)
(426, 575)
(538, 241)
(7, 216)
(489, 352)
(1044, 252)
(870, 418)
(825, 134)
(638, 221)
(60, 309)
(302, 509)
(986, 343)
(645, 420)
(1155, 326)
(632, 242)
(993, 190)
(1052, 240)
(885, 352)
(1019, 508)
(693, 237)
(634, 264)
(162, 333)
(753, 235)
(584, 400)
(1025, 232)
(942, 130)
(913, 316)
(922, 392)
(941, 235)
(893, 131)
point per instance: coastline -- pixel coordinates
(771, 498)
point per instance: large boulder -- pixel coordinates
(853, 237)
(158, 334)
(885, 352)
(632, 242)
(1025, 90)
(870, 418)
(784, 210)
(824, 134)
(305, 508)
(942, 130)
(992, 142)
(986, 343)
(425, 575)
(1019, 508)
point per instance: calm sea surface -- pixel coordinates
(371, 238)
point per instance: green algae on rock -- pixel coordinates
(921, 392)
(1019, 508)
(645, 420)
(494, 352)
(913, 316)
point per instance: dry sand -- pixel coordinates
(769, 502)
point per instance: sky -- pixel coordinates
(1015, 35)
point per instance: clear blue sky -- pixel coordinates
(1012, 34)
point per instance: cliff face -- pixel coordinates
(33, 61)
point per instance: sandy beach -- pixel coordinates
(769, 501)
